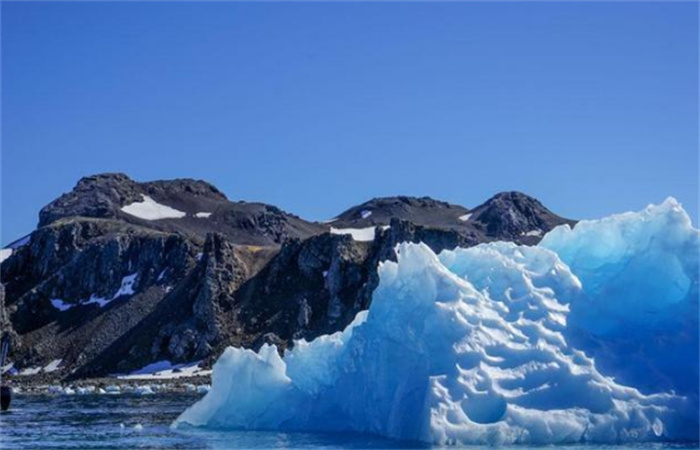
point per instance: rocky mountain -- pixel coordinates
(120, 274)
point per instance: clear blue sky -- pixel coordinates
(592, 107)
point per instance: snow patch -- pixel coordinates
(465, 217)
(536, 233)
(149, 209)
(61, 305)
(30, 371)
(5, 253)
(366, 213)
(126, 288)
(203, 215)
(165, 370)
(53, 365)
(358, 234)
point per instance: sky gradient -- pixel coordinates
(315, 107)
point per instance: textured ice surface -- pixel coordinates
(476, 346)
(638, 316)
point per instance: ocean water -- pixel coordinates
(130, 421)
(112, 422)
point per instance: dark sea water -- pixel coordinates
(112, 422)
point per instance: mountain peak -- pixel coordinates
(513, 214)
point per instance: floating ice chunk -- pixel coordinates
(467, 348)
(61, 305)
(138, 427)
(85, 390)
(465, 217)
(113, 389)
(101, 391)
(144, 390)
(68, 391)
(358, 234)
(149, 209)
(365, 213)
(203, 388)
(190, 387)
(5, 253)
(203, 215)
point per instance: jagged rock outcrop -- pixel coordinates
(105, 290)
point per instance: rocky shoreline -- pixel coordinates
(199, 384)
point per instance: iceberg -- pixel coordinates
(639, 314)
(496, 344)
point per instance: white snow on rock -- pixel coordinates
(536, 232)
(5, 253)
(465, 217)
(165, 370)
(53, 365)
(30, 371)
(101, 301)
(475, 346)
(61, 305)
(149, 209)
(358, 234)
(366, 213)
(203, 215)
(126, 288)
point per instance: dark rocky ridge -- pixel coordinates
(248, 274)
(103, 196)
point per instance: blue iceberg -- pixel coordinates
(497, 344)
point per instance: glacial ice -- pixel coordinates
(497, 344)
(638, 316)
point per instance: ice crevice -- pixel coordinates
(497, 344)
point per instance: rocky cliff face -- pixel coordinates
(120, 274)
